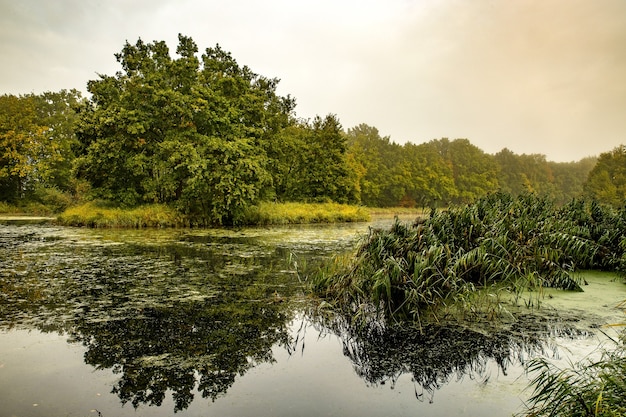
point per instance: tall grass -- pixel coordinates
(99, 215)
(591, 388)
(413, 271)
(267, 213)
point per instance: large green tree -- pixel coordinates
(381, 183)
(191, 131)
(313, 163)
(36, 141)
(607, 180)
(475, 173)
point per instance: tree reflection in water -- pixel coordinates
(172, 348)
(195, 313)
(165, 317)
(437, 353)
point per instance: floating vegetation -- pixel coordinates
(418, 271)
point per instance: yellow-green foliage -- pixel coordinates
(294, 213)
(6, 208)
(94, 215)
(30, 209)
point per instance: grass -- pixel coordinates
(588, 388)
(99, 215)
(297, 213)
(103, 215)
(416, 271)
(29, 209)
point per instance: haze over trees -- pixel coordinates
(210, 137)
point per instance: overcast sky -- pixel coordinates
(534, 76)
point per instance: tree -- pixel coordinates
(36, 140)
(607, 180)
(313, 164)
(192, 132)
(432, 179)
(474, 171)
(381, 181)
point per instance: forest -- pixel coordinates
(209, 138)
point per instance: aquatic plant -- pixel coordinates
(589, 388)
(415, 270)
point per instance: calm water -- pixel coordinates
(216, 323)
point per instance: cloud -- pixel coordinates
(536, 76)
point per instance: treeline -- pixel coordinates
(210, 137)
(443, 172)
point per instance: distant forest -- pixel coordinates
(211, 137)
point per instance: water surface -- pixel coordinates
(218, 323)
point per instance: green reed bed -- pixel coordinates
(589, 388)
(465, 256)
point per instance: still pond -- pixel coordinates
(217, 323)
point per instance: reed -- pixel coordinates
(589, 388)
(499, 243)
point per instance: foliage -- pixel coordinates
(590, 388)
(607, 180)
(410, 271)
(189, 131)
(312, 165)
(99, 215)
(474, 172)
(267, 213)
(36, 140)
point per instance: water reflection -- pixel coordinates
(182, 312)
(436, 354)
(173, 316)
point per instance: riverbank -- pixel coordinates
(102, 215)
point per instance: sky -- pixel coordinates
(534, 76)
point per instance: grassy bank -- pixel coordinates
(297, 213)
(30, 209)
(95, 214)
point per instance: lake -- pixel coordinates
(219, 323)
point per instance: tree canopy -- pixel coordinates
(210, 137)
(607, 180)
(36, 142)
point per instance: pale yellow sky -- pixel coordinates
(535, 76)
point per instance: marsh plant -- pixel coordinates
(588, 388)
(457, 257)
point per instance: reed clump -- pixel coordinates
(499, 243)
(588, 388)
